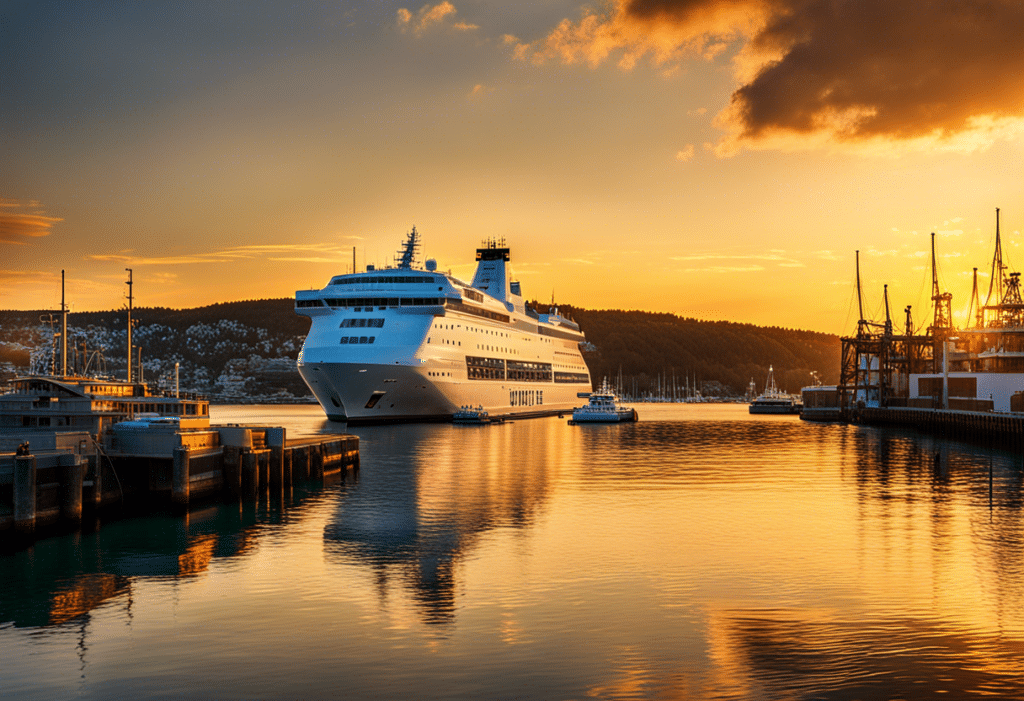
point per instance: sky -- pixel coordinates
(717, 159)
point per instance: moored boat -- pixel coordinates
(603, 407)
(773, 400)
(410, 344)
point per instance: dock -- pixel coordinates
(1005, 429)
(50, 481)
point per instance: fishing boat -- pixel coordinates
(603, 407)
(773, 400)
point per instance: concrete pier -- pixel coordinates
(958, 425)
(64, 487)
(180, 477)
(72, 474)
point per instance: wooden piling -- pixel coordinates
(286, 461)
(72, 474)
(250, 474)
(231, 468)
(25, 494)
(180, 477)
(276, 468)
(316, 462)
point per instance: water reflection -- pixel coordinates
(60, 579)
(804, 654)
(699, 553)
(431, 495)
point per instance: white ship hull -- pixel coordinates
(406, 394)
(402, 344)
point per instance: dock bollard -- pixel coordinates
(25, 494)
(180, 477)
(250, 474)
(72, 474)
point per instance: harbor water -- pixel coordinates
(699, 553)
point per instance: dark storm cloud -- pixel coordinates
(849, 69)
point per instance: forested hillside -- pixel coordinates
(246, 350)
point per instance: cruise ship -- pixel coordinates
(410, 344)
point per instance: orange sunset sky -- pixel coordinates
(721, 159)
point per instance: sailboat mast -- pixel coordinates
(63, 330)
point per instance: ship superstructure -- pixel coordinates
(412, 344)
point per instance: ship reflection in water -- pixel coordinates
(699, 553)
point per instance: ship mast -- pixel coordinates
(63, 330)
(129, 356)
(408, 252)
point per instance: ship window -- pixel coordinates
(372, 339)
(344, 339)
(362, 339)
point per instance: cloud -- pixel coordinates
(430, 15)
(686, 154)
(19, 222)
(309, 253)
(874, 75)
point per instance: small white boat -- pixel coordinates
(773, 400)
(603, 407)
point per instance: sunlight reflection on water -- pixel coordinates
(698, 553)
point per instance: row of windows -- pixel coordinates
(529, 372)
(362, 323)
(498, 369)
(571, 377)
(385, 279)
(358, 339)
(308, 303)
(544, 331)
(476, 311)
(383, 301)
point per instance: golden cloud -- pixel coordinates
(872, 74)
(19, 222)
(430, 15)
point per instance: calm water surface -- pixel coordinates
(700, 553)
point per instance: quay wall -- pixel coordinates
(45, 491)
(1006, 428)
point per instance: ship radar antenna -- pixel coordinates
(408, 253)
(943, 318)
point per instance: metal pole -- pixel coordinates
(129, 356)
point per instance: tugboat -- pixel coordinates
(603, 407)
(773, 400)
